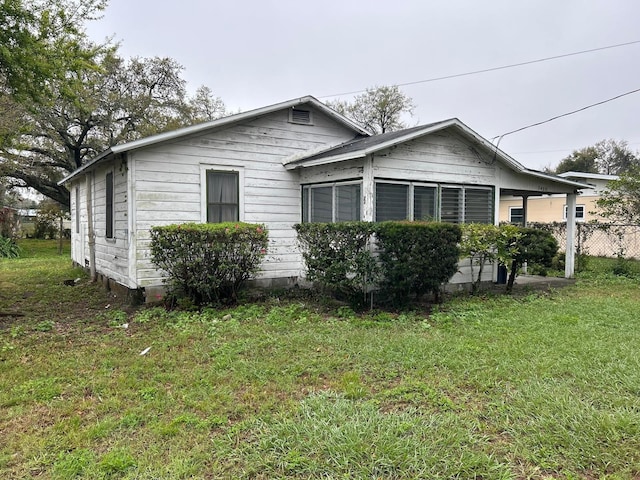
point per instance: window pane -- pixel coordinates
(478, 205)
(580, 212)
(222, 197)
(347, 203)
(424, 203)
(109, 205)
(516, 215)
(450, 205)
(305, 204)
(391, 202)
(322, 204)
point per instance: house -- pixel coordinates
(553, 208)
(279, 165)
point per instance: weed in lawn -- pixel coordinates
(70, 465)
(45, 326)
(116, 461)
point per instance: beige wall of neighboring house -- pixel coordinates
(552, 208)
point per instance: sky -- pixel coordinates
(254, 53)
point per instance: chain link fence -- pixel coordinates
(615, 240)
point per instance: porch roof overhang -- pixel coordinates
(521, 180)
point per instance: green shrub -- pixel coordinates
(208, 263)
(484, 243)
(416, 258)
(8, 248)
(338, 257)
(535, 246)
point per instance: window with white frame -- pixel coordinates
(516, 215)
(579, 213)
(336, 202)
(223, 199)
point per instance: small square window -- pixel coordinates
(516, 215)
(580, 213)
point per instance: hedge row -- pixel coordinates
(398, 259)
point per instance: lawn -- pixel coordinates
(538, 385)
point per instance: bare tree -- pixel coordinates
(378, 110)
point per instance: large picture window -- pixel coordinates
(331, 203)
(222, 196)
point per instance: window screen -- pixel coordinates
(424, 203)
(222, 197)
(478, 205)
(347, 203)
(451, 205)
(322, 204)
(391, 202)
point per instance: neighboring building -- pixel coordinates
(553, 208)
(280, 165)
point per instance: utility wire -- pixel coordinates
(493, 69)
(500, 137)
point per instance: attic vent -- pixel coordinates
(300, 116)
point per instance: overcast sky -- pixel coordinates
(254, 53)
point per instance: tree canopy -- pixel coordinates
(41, 40)
(609, 157)
(63, 99)
(119, 102)
(621, 200)
(378, 110)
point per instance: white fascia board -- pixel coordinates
(327, 160)
(557, 179)
(595, 176)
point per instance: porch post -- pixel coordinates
(525, 202)
(570, 256)
(368, 193)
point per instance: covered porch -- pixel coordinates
(537, 184)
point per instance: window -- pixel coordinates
(331, 203)
(392, 202)
(424, 203)
(451, 205)
(516, 215)
(109, 205)
(454, 204)
(222, 196)
(478, 205)
(77, 209)
(579, 213)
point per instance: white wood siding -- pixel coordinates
(443, 157)
(168, 183)
(111, 253)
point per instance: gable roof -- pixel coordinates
(361, 147)
(218, 123)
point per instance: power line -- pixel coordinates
(493, 69)
(500, 137)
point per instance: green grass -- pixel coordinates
(542, 385)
